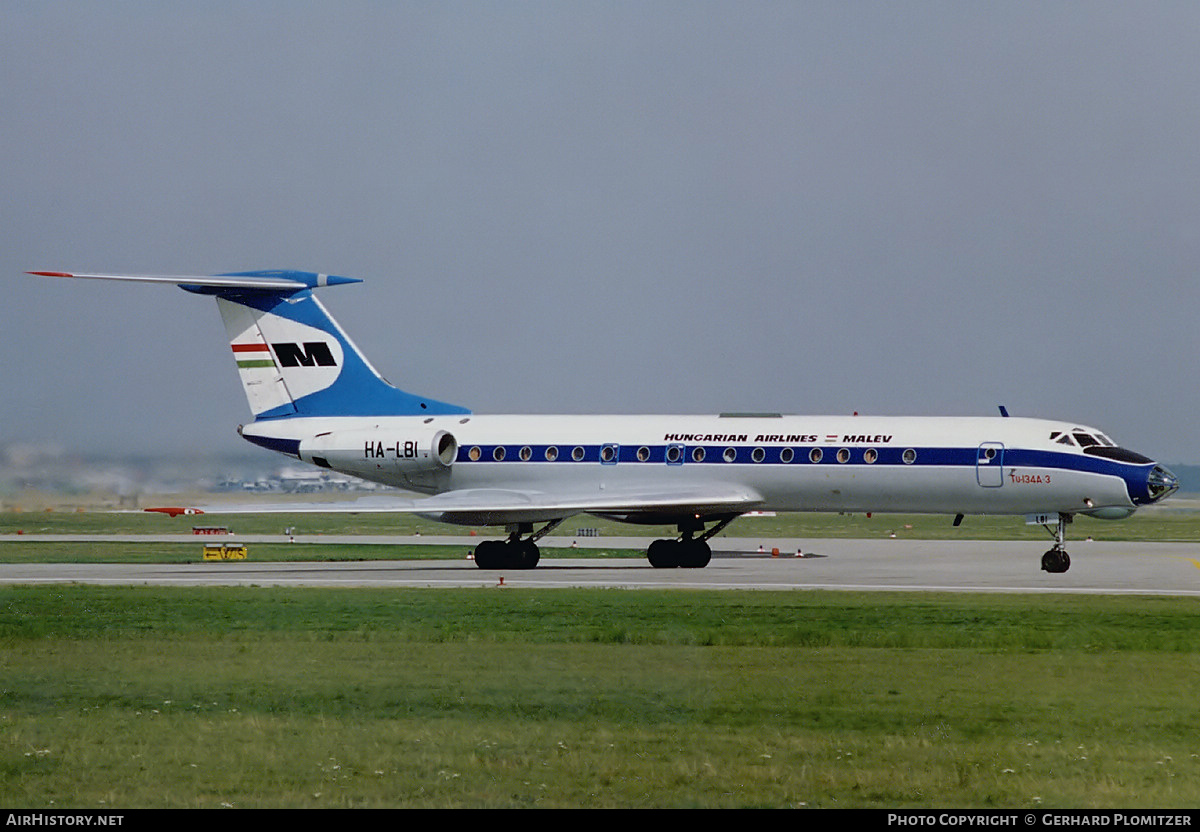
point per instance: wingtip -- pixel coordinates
(175, 511)
(52, 274)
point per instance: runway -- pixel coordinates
(848, 565)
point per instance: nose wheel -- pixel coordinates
(1057, 560)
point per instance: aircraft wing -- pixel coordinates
(499, 506)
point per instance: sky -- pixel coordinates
(610, 207)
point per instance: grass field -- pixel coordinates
(256, 697)
(145, 697)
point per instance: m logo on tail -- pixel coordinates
(308, 354)
(281, 360)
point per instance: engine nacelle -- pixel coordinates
(410, 458)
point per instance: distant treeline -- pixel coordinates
(1189, 477)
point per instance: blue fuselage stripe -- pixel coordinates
(1012, 458)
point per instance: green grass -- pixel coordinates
(252, 697)
(131, 697)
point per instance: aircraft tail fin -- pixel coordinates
(293, 357)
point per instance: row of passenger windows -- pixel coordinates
(675, 454)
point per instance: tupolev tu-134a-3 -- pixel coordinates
(316, 398)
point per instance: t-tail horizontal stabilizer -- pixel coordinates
(293, 358)
(271, 280)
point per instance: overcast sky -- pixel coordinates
(683, 207)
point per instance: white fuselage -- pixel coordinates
(795, 463)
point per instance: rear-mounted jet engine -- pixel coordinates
(416, 459)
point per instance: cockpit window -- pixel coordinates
(1082, 437)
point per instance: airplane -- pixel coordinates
(316, 398)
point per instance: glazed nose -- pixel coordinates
(1161, 483)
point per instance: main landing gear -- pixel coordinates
(517, 552)
(1057, 559)
(520, 551)
(688, 552)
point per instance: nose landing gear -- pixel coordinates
(1057, 560)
